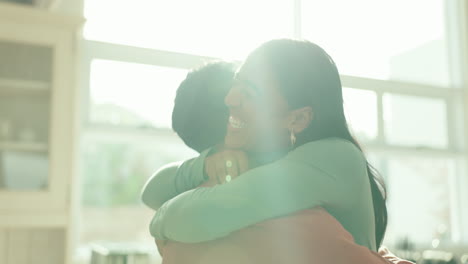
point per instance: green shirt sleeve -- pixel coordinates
(312, 175)
(172, 180)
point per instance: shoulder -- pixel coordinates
(169, 168)
(333, 155)
(329, 148)
(154, 184)
(163, 172)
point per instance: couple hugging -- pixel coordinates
(279, 178)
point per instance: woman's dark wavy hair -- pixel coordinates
(308, 76)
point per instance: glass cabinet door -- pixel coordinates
(25, 100)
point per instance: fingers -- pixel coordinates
(226, 165)
(210, 168)
(220, 165)
(238, 162)
(242, 162)
(231, 165)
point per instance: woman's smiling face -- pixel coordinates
(258, 118)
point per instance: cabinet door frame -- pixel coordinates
(61, 119)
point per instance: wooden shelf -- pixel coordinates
(16, 85)
(23, 146)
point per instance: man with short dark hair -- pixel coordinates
(199, 118)
(200, 115)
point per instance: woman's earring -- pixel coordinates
(292, 137)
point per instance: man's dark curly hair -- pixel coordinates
(200, 116)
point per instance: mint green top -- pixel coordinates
(330, 173)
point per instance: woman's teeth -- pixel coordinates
(236, 123)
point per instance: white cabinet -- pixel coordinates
(37, 133)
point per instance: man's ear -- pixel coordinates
(300, 119)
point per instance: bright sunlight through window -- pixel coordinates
(227, 29)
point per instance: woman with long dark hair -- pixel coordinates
(287, 98)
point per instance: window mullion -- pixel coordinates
(457, 36)
(398, 87)
(297, 16)
(117, 52)
(380, 119)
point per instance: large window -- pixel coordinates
(408, 138)
(396, 59)
(225, 29)
(399, 40)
